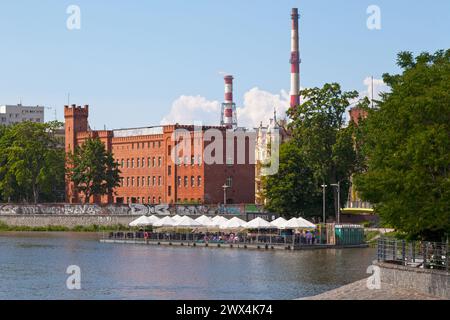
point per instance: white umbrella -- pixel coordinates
(165, 222)
(205, 221)
(141, 222)
(218, 220)
(176, 217)
(259, 223)
(187, 222)
(294, 223)
(233, 223)
(153, 219)
(280, 223)
(306, 223)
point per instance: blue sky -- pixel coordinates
(132, 59)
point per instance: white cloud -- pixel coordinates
(378, 87)
(190, 109)
(259, 105)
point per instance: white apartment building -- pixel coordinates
(10, 114)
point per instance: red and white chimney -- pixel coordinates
(295, 60)
(229, 107)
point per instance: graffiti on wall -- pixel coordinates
(120, 209)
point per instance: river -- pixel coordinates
(33, 266)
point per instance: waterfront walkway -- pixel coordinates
(358, 291)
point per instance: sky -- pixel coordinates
(142, 63)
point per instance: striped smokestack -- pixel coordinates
(295, 60)
(228, 107)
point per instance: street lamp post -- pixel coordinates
(338, 213)
(225, 187)
(324, 214)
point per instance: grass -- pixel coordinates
(91, 228)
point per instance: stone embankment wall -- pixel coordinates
(71, 215)
(427, 281)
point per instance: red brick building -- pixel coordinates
(155, 168)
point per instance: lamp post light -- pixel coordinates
(338, 213)
(324, 215)
(225, 187)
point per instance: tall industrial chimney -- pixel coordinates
(229, 118)
(295, 60)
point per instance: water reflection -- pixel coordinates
(33, 267)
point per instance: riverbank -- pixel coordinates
(55, 228)
(359, 291)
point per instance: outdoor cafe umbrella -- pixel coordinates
(187, 222)
(306, 223)
(141, 222)
(259, 223)
(204, 221)
(233, 223)
(165, 222)
(280, 223)
(218, 220)
(153, 219)
(176, 217)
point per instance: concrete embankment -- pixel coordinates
(395, 283)
(69, 221)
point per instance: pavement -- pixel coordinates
(359, 291)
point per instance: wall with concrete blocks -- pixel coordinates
(71, 215)
(431, 282)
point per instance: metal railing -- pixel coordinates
(419, 254)
(212, 238)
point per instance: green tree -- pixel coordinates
(407, 146)
(319, 128)
(93, 170)
(31, 162)
(292, 191)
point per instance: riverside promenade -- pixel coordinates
(359, 291)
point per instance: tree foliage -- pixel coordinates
(407, 147)
(93, 170)
(31, 163)
(321, 151)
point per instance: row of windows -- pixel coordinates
(185, 181)
(140, 162)
(141, 181)
(154, 200)
(140, 145)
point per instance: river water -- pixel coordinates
(33, 266)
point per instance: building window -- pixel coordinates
(185, 181)
(132, 162)
(149, 181)
(192, 181)
(137, 181)
(128, 163)
(159, 162)
(179, 181)
(143, 181)
(199, 181)
(199, 160)
(132, 181)
(159, 144)
(169, 151)
(159, 200)
(154, 162)
(143, 163)
(154, 181)
(169, 170)
(154, 199)
(159, 180)
(138, 162)
(128, 181)
(169, 191)
(122, 163)
(229, 182)
(186, 159)
(149, 200)
(192, 160)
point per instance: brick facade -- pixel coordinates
(149, 173)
